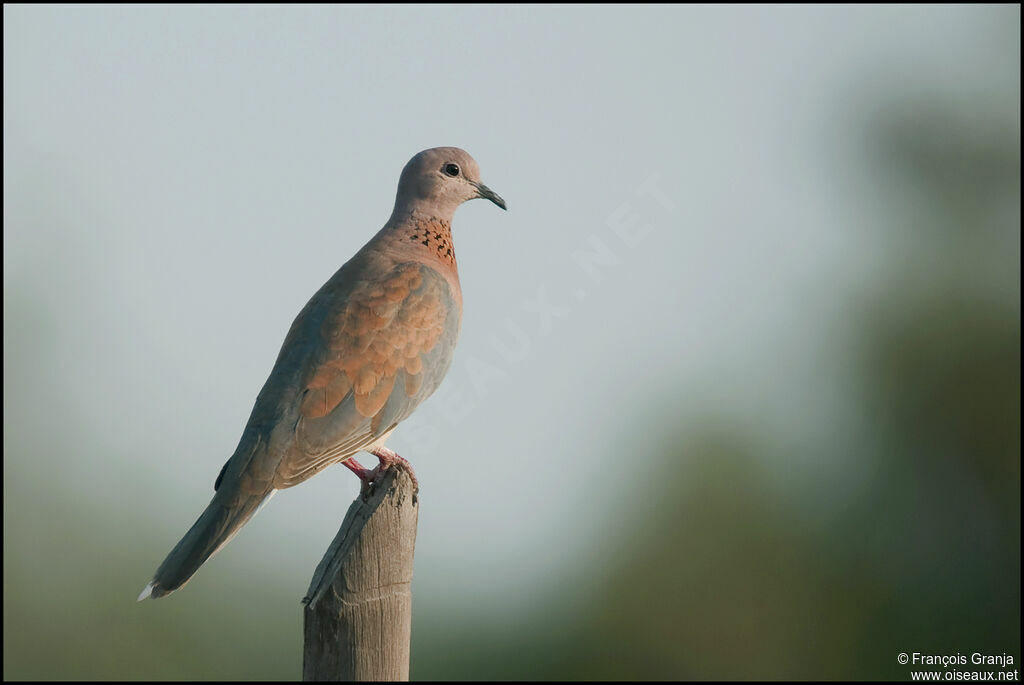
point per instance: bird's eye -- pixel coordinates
(451, 169)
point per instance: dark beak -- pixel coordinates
(488, 194)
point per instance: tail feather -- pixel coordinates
(222, 519)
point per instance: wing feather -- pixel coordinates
(385, 349)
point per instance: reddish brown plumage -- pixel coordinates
(383, 328)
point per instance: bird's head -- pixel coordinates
(436, 181)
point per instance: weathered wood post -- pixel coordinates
(358, 614)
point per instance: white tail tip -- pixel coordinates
(146, 593)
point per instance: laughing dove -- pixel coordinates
(370, 345)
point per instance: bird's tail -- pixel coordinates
(225, 516)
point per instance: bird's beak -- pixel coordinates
(488, 194)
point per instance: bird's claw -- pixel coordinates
(369, 478)
(389, 458)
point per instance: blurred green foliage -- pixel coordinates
(732, 570)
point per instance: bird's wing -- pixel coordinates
(382, 349)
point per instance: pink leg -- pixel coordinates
(389, 458)
(364, 474)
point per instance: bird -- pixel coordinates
(370, 345)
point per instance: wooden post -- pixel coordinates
(358, 614)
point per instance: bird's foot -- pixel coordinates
(389, 458)
(365, 475)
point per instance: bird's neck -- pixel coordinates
(427, 238)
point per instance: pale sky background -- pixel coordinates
(178, 181)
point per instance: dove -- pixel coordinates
(369, 346)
